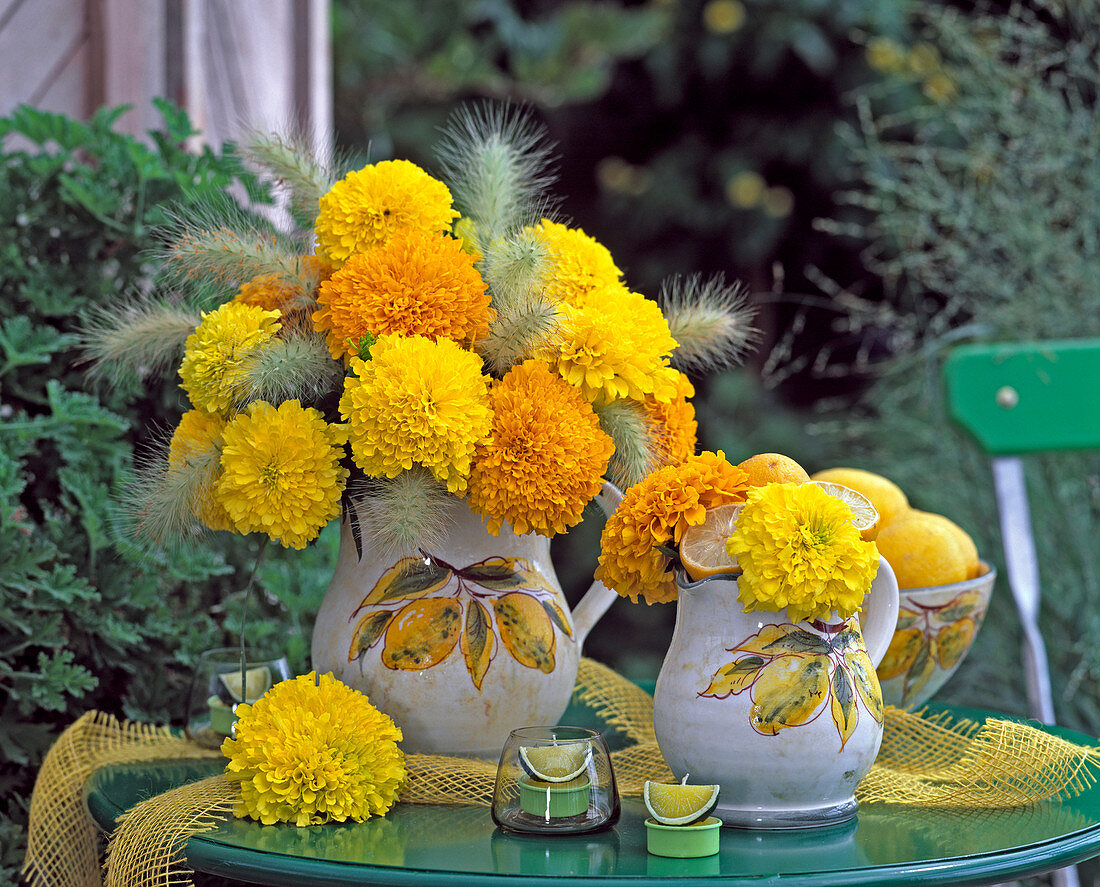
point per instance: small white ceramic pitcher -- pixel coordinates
(462, 644)
(785, 716)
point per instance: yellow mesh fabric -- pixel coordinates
(924, 760)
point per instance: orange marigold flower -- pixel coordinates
(368, 206)
(672, 423)
(415, 285)
(656, 511)
(546, 458)
(294, 291)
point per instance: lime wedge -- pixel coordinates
(257, 681)
(556, 763)
(679, 804)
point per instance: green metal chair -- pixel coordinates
(1015, 399)
(1020, 398)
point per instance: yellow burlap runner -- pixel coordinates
(927, 761)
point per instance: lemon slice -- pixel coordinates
(703, 546)
(556, 763)
(257, 681)
(681, 804)
(864, 515)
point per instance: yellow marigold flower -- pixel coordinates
(313, 750)
(197, 446)
(672, 423)
(214, 355)
(368, 206)
(656, 511)
(417, 402)
(546, 457)
(281, 472)
(416, 285)
(581, 263)
(614, 345)
(797, 548)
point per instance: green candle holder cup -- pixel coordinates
(224, 678)
(555, 780)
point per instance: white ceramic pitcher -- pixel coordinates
(785, 716)
(464, 644)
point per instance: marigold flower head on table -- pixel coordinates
(413, 336)
(313, 750)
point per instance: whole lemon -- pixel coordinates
(922, 551)
(773, 468)
(966, 543)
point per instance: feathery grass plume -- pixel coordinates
(400, 515)
(637, 446)
(221, 243)
(527, 326)
(516, 266)
(496, 160)
(155, 505)
(293, 165)
(711, 321)
(140, 339)
(298, 367)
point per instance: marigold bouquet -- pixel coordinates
(411, 337)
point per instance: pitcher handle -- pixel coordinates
(879, 617)
(599, 598)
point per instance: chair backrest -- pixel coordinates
(1027, 397)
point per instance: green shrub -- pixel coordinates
(982, 216)
(89, 618)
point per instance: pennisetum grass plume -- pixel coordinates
(710, 319)
(137, 340)
(398, 516)
(518, 333)
(516, 266)
(298, 367)
(223, 244)
(496, 159)
(159, 501)
(292, 164)
(637, 447)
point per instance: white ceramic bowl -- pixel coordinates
(936, 628)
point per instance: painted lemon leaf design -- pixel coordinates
(526, 630)
(789, 691)
(794, 674)
(422, 633)
(843, 705)
(735, 676)
(368, 631)
(478, 642)
(937, 637)
(422, 608)
(410, 577)
(953, 641)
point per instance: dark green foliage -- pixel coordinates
(981, 213)
(88, 617)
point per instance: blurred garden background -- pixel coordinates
(886, 178)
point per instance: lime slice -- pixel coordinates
(257, 681)
(556, 763)
(679, 804)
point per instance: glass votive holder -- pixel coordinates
(555, 780)
(224, 678)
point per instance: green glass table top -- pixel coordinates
(443, 845)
